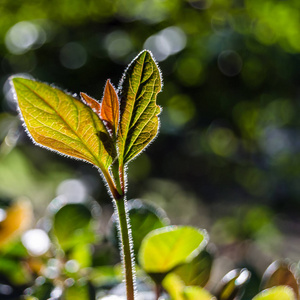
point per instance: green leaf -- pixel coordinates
(139, 113)
(80, 290)
(174, 286)
(106, 275)
(166, 248)
(196, 272)
(276, 293)
(196, 293)
(82, 253)
(233, 284)
(144, 217)
(14, 270)
(72, 226)
(178, 291)
(42, 289)
(280, 273)
(60, 122)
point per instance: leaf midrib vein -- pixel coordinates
(130, 112)
(149, 119)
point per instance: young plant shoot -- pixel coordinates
(108, 134)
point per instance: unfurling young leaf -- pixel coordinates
(110, 110)
(139, 113)
(58, 121)
(92, 103)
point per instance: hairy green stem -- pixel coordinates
(125, 236)
(124, 229)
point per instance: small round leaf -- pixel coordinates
(166, 248)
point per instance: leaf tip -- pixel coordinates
(19, 79)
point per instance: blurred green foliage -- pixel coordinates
(175, 261)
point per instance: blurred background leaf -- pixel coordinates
(72, 226)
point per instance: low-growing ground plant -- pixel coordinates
(109, 134)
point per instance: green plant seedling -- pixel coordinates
(108, 134)
(276, 293)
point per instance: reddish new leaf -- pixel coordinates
(110, 108)
(92, 103)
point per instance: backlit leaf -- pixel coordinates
(62, 123)
(165, 248)
(92, 103)
(110, 108)
(276, 293)
(139, 113)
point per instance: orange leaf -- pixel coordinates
(92, 103)
(18, 219)
(110, 107)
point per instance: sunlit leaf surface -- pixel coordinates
(276, 293)
(139, 122)
(91, 102)
(165, 248)
(178, 291)
(62, 123)
(197, 293)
